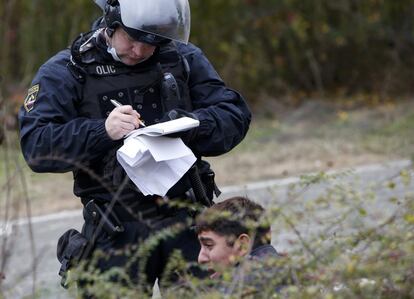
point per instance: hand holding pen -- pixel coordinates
(122, 120)
(118, 104)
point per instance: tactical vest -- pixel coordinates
(142, 86)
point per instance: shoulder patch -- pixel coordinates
(31, 97)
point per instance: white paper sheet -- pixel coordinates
(165, 128)
(155, 164)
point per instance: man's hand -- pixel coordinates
(177, 113)
(121, 121)
(186, 136)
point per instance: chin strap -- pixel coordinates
(110, 49)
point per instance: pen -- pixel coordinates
(118, 104)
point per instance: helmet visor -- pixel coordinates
(168, 19)
(100, 3)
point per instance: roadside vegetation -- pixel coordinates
(349, 241)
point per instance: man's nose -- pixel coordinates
(203, 257)
(142, 50)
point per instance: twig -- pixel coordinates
(29, 223)
(301, 239)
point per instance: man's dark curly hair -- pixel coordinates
(233, 217)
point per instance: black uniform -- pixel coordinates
(62, 128)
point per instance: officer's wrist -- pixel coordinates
(105, 141)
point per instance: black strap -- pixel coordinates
(198, 187)
(123, 212)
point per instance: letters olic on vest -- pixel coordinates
(105, 69)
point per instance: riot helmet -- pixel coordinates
(155, 22)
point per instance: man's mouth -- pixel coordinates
(139, 59)
(213, 273)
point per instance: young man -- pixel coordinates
(231, 232)
(67, 123)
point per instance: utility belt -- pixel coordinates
(102, 221)
(74, 247)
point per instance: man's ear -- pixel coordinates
(243, 244)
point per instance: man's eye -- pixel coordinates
(208, 246)
(128, 37)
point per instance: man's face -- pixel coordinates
(130, 51)
(215, 252)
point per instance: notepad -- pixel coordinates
(155, 164)
(165, 128)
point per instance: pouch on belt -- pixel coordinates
(70, 248)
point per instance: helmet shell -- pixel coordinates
(150, 21)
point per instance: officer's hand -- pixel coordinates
(121, 121)
(186, 136)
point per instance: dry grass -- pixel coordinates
(317, 137)
(314, 137)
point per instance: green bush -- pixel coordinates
(344, 243)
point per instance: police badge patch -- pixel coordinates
(31, 97)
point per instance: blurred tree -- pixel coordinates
(258, 46)
(32, 31)
(321, 45)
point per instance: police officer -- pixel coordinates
(138, 55)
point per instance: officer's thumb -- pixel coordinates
(125, 109)
(173, 114)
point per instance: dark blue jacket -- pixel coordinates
(263, 252)
(255, 276)
(55, 139)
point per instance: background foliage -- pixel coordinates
(273, 47)
(321, 45)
